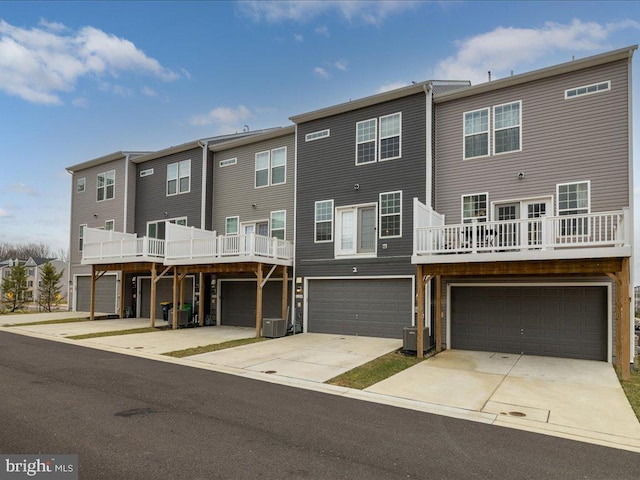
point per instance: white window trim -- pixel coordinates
(178, 178)
(338, 238)
(147, 172)
(166, 220)
(579, 95)
(81, 181)
(81, 236)
(380, 214)
(375, 142)
(315, 222)
(271, 167)
(486, 214)
(226, 232)
(588, 182)
(284, 228)
(112, 222)
(228, 162)
(493, 133)
(320, 134)
(465, 135)
(380, 138)
(105, 185)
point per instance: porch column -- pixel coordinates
(152, 306)
(438, 319)
(259, 302)
(122, 288)
(201, 301)
(623, 328)
(92, 304)
(420, 317)
(285, 293)
(174, 319)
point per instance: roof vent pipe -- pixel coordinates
(489, 72)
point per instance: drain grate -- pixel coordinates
(270, 371)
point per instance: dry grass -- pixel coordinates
(47, 322)
(187, 352)
(631, 388)
(114, 333)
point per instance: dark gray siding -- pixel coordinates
(583, 138)
(326, 170)
(234, 186)
(164, 293)
(151, 192)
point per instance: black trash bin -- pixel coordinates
(166, 306)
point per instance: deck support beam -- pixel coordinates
(92, 301)
(174, 319)
(438, 319)
(259, 301)
(201, 300)
(285, 292)
(420, 313)
(152, 306)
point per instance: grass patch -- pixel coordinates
(631, 388)
(375, 371)
(115, 333)
(187, 352)
(47, 322)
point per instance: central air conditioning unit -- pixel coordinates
(274, 327)
(410, 339)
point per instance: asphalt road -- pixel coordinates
(131, 418)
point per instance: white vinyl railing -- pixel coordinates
(110, 245)
(607, 229)
(193, 243)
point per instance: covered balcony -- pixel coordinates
(107, 247)
(589, 235)
(194, 246)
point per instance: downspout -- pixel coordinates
(203, 199)
(428, 90)
(71, 304)
(293, 309)
(629, 221)
(126, 193)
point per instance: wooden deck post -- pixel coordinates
(285, 291)
(623, 328)
(92, 304)
(152, 306)
(420, 315)
(122, 290)
(201, 301)
(174, 319)
(438, 319)
(259, 301)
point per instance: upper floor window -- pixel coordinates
(109, 224)
(179, 177)
(158, 228)
(573, 198)
(476, 133)
(271, 167)
(356, 230)
(323, 231)
(376, 145)
(506, 127)
(81, 185)
(81, 237)
(309, 137)
(277, 224)
(390, 214)
(231, 225)
(106, 185)
(474, 207)
(587, 89)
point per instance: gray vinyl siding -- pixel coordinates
(326, 170)
(234, 186)
(563, 141)
(208, 218)
(151, 192)
(131, 198)
(86, 210)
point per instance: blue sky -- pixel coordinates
(79, 80)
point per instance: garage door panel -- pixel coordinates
(557, 321)
(376, 307)
(105, 294)
(238, 302)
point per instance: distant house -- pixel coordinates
(33, 266)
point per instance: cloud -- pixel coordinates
(149, 92)
(185, 73)
(322, 30)
(301, 11)
(223, 116)
(391, 86)
(80, 102)
(39, 64)
(320, 72)
(298, 37)
(22, 188)
(5, 214)
(501, 49)
(341, 65)
(116, 89)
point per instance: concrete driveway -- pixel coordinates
(577, 399)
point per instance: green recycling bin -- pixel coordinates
(189, 308)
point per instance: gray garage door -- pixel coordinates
(552, 321)
(164, 293)
(106, 294)
(372, 308)
(238, 302)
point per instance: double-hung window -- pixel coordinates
(106, 185)
(81, 184)
(474, 207)
(271, 167)
(390, 134)
(356, 230)
(506, 127)
(277, 224)
(379, 139)
(366, 141)
(391, 214)
(476, 133)
(323, 231)
(179, 177)
(158, 229)
(81, 237)
(231, 225)
(573, 200)
(109, 224)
